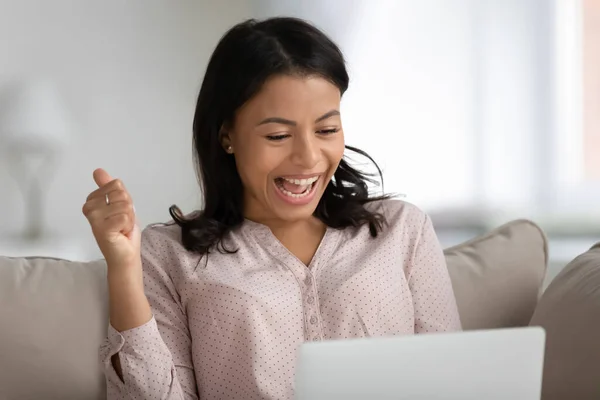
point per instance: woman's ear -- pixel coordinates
(225, 140)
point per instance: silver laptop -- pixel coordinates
(488, 364)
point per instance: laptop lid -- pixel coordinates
(488, 364)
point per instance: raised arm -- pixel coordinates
(147, 353)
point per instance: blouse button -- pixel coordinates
(313, 320)
(310, 300)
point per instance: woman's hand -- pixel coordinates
(109, 210)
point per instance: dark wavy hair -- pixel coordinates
(246, 56)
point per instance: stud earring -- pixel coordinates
(229, 149)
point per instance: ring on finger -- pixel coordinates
(106, 199)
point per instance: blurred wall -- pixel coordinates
(130, 72)
(452, 98)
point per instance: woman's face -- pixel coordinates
(287, 142)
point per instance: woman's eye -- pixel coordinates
(275, 138)
(328, 131)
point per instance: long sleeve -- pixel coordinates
(430, 285)
(156, 358)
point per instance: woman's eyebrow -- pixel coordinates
(283, 121)
(327, 115)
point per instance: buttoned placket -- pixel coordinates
(305, 276)
(314, 329)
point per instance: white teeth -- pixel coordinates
(294, 195)
(302, 182)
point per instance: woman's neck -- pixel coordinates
(301, 238)
(294, 229)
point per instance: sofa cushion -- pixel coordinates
(569, 311)
(498, 277)
(53, 315)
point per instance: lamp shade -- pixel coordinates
(32, 117)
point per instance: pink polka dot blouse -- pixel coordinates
(228, 326)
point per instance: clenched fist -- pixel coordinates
(109, 210)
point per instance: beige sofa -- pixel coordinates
(54, 313)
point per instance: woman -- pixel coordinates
(288, 248)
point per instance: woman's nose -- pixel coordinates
(306, 151)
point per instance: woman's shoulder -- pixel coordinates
(403, 226)
(168, 232)
(162, 241)
(162, 249)
(398, 212)
(162, 231)
(403, 220)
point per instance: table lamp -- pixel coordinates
(33, 133)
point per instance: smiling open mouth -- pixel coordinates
(296, 188)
